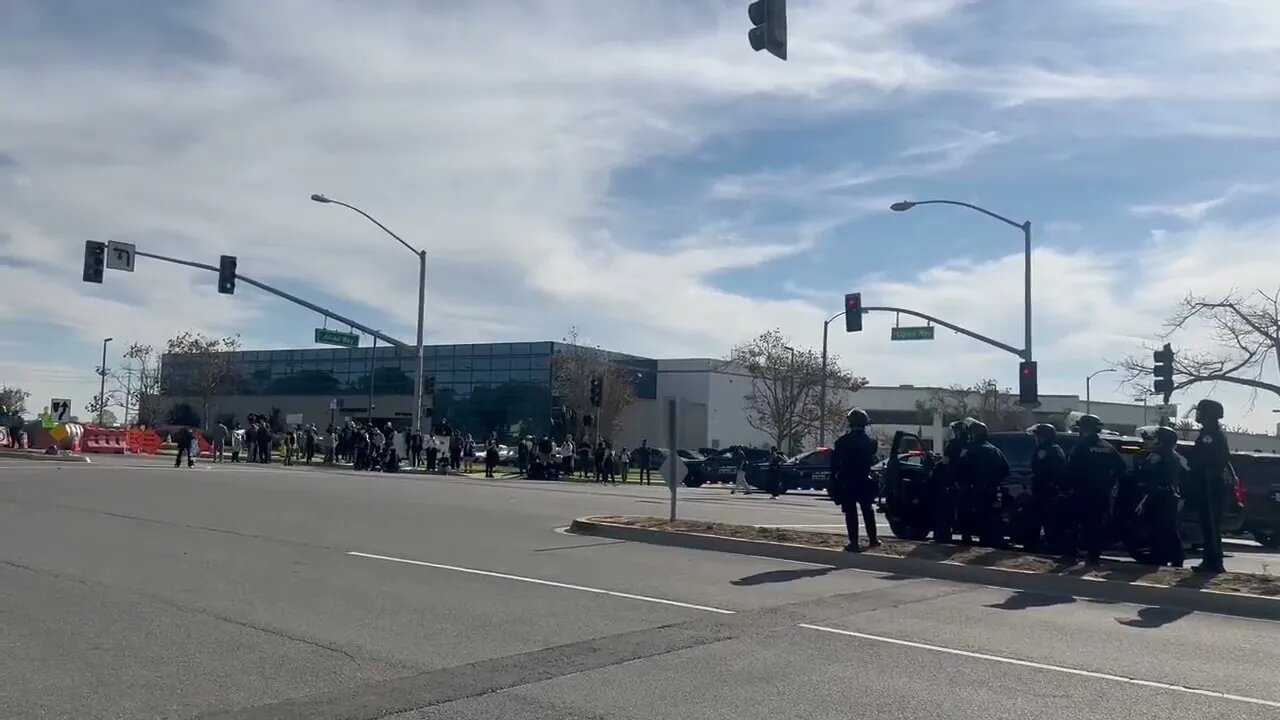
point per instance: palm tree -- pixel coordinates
(1185, 427)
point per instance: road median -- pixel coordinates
(1242, 594)
(41, 457)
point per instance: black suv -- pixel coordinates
(1260, 474)
(806, 471)
(907, 470)
(721, 467)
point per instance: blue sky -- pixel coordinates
(640, 173)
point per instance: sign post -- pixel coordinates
(335, 337)
(673, 463)
(919, 332)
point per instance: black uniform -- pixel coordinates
(1208, 474)
(942, 485)
(1048, 479)
(851, 486)
(1161, 474)
(982, 469)
(1093, 470)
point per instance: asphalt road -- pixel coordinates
(129, 589)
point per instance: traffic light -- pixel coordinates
(227, 275)
(597, 392)
(1163, 371)
(770, 32)
(1028, 384)
(853, 312)
(95, 260)
(586, 421)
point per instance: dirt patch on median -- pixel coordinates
(1231, 582)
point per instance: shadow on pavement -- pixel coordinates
(1154, 617)
(1021, 600)
(780, 576)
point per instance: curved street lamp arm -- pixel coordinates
(984, 211)
(374, 220)
(833, 317)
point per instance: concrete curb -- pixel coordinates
(1224, 603)
(41, 457)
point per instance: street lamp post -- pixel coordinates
(1025, 227)
(102, 383)
(422, 300)
(822, 387)
(1088, 392)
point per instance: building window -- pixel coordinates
(483, 349)
(520, 348)
(520, 363)
(541, 348)
(501, 348)
(481, 364)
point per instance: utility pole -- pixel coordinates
(102, 385)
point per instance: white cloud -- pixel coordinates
(493, 134)
(1195, 212)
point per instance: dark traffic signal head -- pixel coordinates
(1028, 384)
(1162, 369)
(597, 392)
(853, 312)
(770, 32)
(95, 260)
(227, 275)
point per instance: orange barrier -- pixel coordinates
(103, 440)
(142, 442)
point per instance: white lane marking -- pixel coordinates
(548, 583)
(1045, 666)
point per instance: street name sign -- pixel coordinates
(334, 337)
(912, 333)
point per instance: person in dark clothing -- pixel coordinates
(490, 457)
(1162, 472)
(943, 482)
(642, 463)
(522, 457)
(776, 458)
(1208, 480)
(183, 439)
(309, 444)
(1048, 472)
(851, 486)
(1093, 469)
(598, 458)
(264, 443)
(983, 469)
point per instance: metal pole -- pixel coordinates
(1026, 234)
(102, 384)
(422, 309)
(1088, 397)
(822, 389)
(372, 369)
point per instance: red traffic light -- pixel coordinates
(853, 312)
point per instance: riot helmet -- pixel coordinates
(1166, 437)
(1208, 411)
(977, 430)
(858, 418)
(1044, 433)
(1090, 425)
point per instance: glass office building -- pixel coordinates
(478, 387)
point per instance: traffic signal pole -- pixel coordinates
(281, 294)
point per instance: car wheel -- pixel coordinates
(907, 531)
(1267, 538)
(693, 482)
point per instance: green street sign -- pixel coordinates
(912, 333)
(333, 337)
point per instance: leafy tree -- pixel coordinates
(205, 365)
(14, 400)
(574, 365)
(1245, 330)
(985, 400)
(99, 406)
(784, 400)
(139, 380)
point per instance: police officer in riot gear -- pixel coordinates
(1093, 470)
(851, 486)
(1208, 470)
(1161, 475)
(983, 468)
(1048, 472)
(943, 482)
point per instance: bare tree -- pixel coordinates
(572, 368)
(139, 382)
(985, 401)
(205, 366)
(97, 407)
(1245, 330)
(784, 401)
